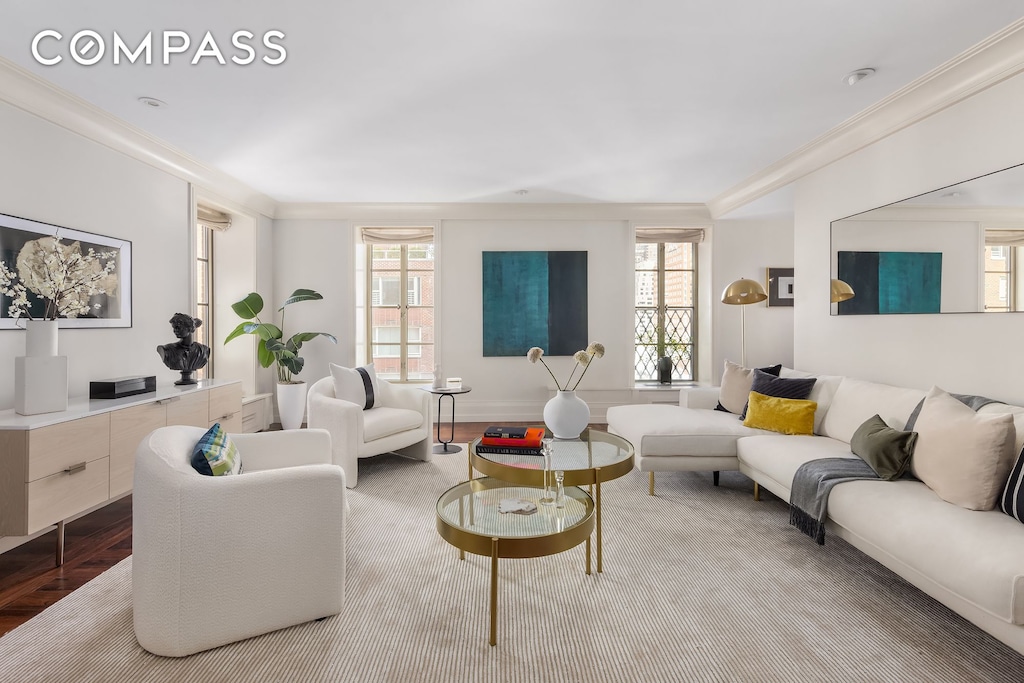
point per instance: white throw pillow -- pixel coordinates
(356, 385)
(963, 456)
(736, 381)
(856, 400)
(822, 393)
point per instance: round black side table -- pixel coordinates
(445, 446)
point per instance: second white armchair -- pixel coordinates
(399, 422)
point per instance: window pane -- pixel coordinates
(421, 256)
(202, 242)
(646, 288)
(646, 257)
(385, 290)
(996, 292)
(679, 256)
(202, 282)
(679, 288)
(646, 326)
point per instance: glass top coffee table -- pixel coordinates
(469, 519)
(593, 458)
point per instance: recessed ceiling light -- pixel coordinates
(855, 77)
(522, 192)
(152, 102)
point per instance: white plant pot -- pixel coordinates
(566, 415)
(40, 338)
(291, 404)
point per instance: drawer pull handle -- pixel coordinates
(165, 401)
(75, 468)
(226, 417)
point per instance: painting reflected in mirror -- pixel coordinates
(959, 249)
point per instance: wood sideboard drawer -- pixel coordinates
(65, 494)
(225, 402)
(190, 409)
(55, 448)
(128, 427)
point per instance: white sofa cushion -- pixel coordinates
(381, 422)
(1018, 420)
(976, 555)
(780, 456)
(664, 430)
(350, 384)
(856, 400)
(822, 392)
(963, 456)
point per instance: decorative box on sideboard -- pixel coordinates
(56, 466)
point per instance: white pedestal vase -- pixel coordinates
(40, 376)
(566, 415)
(291, 404)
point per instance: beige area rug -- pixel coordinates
(700, 584)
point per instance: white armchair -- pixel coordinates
(221, 559)
(399, 422)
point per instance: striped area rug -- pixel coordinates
(700, 584)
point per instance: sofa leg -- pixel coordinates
(715, 477)
(757, 491)
(650, 487)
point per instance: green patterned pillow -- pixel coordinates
(216, 454)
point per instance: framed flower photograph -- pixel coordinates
(48, 272)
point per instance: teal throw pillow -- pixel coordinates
(216, 454)
(888, 451)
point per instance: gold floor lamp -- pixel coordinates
(741, 293)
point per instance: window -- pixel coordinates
(665, 317)
(1000, 285)
(203, 304)
(400, 328)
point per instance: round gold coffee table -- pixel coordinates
(468, 518)
(593, 458)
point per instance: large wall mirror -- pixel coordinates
(959, 249)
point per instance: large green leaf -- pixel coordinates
(249, 307)
(294, 364)
(300, 337)
(275, 345)
(266, 331)
(265, 356)
(301, 295)
(239, 331)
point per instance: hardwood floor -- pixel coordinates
(29, 581)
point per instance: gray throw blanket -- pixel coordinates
(812, 482)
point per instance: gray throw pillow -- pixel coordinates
(886, 450)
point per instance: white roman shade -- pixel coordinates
(655, 235)
(212, 218)
(398, 235)
(1004, 238)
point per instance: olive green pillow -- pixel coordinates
(886, 450)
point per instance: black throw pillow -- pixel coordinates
(781, 387)
(888, 451)
(1012, 500)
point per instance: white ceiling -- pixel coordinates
(472, 100)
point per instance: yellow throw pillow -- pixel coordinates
(784, 415)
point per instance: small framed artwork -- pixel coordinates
(780, 286)
(80, 278)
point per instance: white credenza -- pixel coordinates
(56, 466)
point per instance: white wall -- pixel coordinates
(961, 244)
(51, 175)
(747, 248)
(965, 352)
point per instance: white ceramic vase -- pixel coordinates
(291, 404)
(566, 415)
(40, 338)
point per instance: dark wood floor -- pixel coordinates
(29, 581)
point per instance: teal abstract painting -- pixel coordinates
(534, 298)
(889, 282)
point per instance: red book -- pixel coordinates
(533, 439)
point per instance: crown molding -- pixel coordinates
(991, 61)
(988, 215)
(690, 215)
(30, 93)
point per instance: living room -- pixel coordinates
(70, 162)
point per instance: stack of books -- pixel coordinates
(511, 440)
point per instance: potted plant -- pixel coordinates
(272, 348)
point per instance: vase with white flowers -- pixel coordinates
(51, 280)
(566, 414)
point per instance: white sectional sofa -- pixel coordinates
(971, 561)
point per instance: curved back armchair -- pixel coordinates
(218, 559)
(399, 422)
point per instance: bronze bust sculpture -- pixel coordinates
(185, 355)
